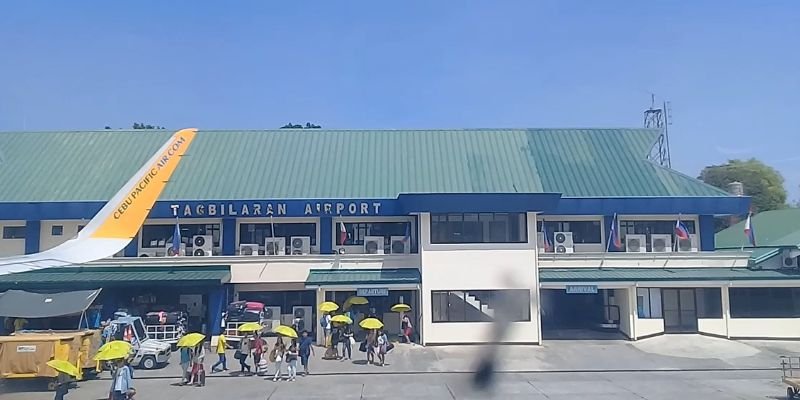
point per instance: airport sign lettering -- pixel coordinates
(581, 289)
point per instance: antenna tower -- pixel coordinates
(658, 118)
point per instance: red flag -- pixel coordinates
(342, 233)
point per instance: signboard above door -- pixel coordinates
(581, 289)
(372, 292)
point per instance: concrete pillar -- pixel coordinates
(325, 235)
(229, 236)
(726, 309)
(33, 231)
(320, 334)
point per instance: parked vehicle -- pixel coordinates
(150, 353)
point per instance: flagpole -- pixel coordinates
(608, 240)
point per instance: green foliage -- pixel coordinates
(139, 125)
(762, 182)
(298, 126)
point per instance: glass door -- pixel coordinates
(680, 310)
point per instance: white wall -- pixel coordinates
(775, 328)
(627, 308)
(712, 326)
(648, 327)
(477, 267)
(69, 231)
(11, 247)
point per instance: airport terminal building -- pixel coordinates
(460, 224)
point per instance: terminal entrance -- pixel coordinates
(580, 312)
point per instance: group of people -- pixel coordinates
(193, 372)
(279, 355)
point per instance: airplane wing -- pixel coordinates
(118, 222)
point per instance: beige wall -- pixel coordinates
(648, 327)
(69, 231)
(477, 267)
(775, 328)
(712, 326)
(11, 247)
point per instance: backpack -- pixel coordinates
(322, 322)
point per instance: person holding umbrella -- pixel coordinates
(65, 373)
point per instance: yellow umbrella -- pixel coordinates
(328, 306)
(287, 331)
(371, 323)
(401, 307)
(342, 319)
(358, 300)
(113, 353)
(250, 327)
(119, 346)
(191, 340)
(63, 366)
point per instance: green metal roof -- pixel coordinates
(326, 277)
(661, 274)
(118, 275)
(773, 230)
(330, 164)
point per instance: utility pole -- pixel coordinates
(658, 118)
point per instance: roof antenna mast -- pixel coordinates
(658, 118)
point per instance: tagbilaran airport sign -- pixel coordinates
(289, 208)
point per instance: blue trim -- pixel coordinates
(478, 202)
(228, 236)
(132, 249)
(652, 206)
(707, 234)
(33, 236)
(216, 305)
(325, 235)
(547, 203)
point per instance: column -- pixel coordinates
(705, 229)
(215, 307)
(325, 235)
(317, 315)
(32, 236)
(726, 309)
(229, 236)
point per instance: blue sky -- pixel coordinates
(730, 69)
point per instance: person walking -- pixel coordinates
(198, 371)
(259, 348)
(276, 356)
(186, 363)
(244, 352)
(371, 342)
(347, 342)
(306, 348)
(123, 382)
(380, 348)
(291, 360)
(62, 385)
(407, 328)
(222, 344)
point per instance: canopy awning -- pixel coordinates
(569, 275)
(22, 304)
(117, 275)
(401, 277)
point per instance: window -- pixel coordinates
(157, 236)
(773, 302)
(652, 227)
(709, 302)
(584, 232)
(13, 232)
(479, 305)
(479, 228)
(358, 230)
(57, 230)
(258, 233)
(648, 302)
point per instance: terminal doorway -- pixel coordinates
(680, 310)
(587, 314)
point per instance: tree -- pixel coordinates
(762, 182)
(298, 126)
(139, 125)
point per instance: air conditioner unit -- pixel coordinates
(202, 245)
(275, 246)
(272, 317)
(562, 242)
(148, 253)
(635, 243)
(540, 241)
(688, 245)
(400, 245)
(301, 245)
(373, 244)
(169, 252)
(660, 243)
(302, 315)
(250, 250)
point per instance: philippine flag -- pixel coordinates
(176, 240)
(681, 231)
(615, 239)
(407, 236)
(342, 233)
(749, 232)
(548, 247)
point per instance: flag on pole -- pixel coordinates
(681, 231)
(342, 233)
(407, 236)
(749, 232)
(548, 246)
(614, 238)
(176, 240)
